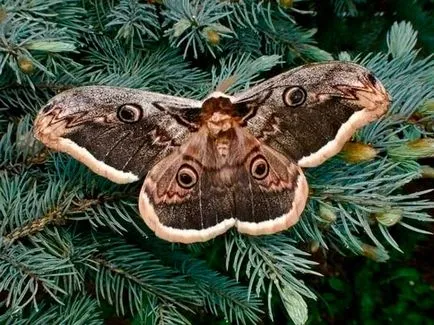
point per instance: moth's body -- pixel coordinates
(223, 162)
(220, 155)
(218, 125)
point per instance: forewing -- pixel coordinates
(310, 112)
(119, 133)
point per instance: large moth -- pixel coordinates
(226, 161)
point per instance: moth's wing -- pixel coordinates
(119, 133)
(222, 197)
(180, 213)
(310, 112)
(274, 203)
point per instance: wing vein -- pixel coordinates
(116, 144)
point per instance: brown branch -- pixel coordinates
(54, 217)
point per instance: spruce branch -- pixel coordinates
(58, 16)
(223, 295)
(161, 69)
(29, 271)
(401, 40)
(345, 7)
(241, 71)
(98, 12)
(18, 147)
(196, 25)
(360, 191)
(247, 41)
(278, 31)
(20, 215)
(37, 225)
(220, 294)
(134, 20)
(35, 35)
(79, 309)
(125, 272)
(68, 243)
(28, 206)
(270, 262)
(96, 199)
(292, 42)
(161, 313)
(18, 100)
(19, 38)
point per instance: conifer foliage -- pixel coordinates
(73, 249)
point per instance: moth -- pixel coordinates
(225, 161)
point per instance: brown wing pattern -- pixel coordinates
(256, 189)
(119, 133)
(224, 162)
(310, 112)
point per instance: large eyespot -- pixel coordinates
(294, 96)
(259, 168)
(186, 177)
(130, 113)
